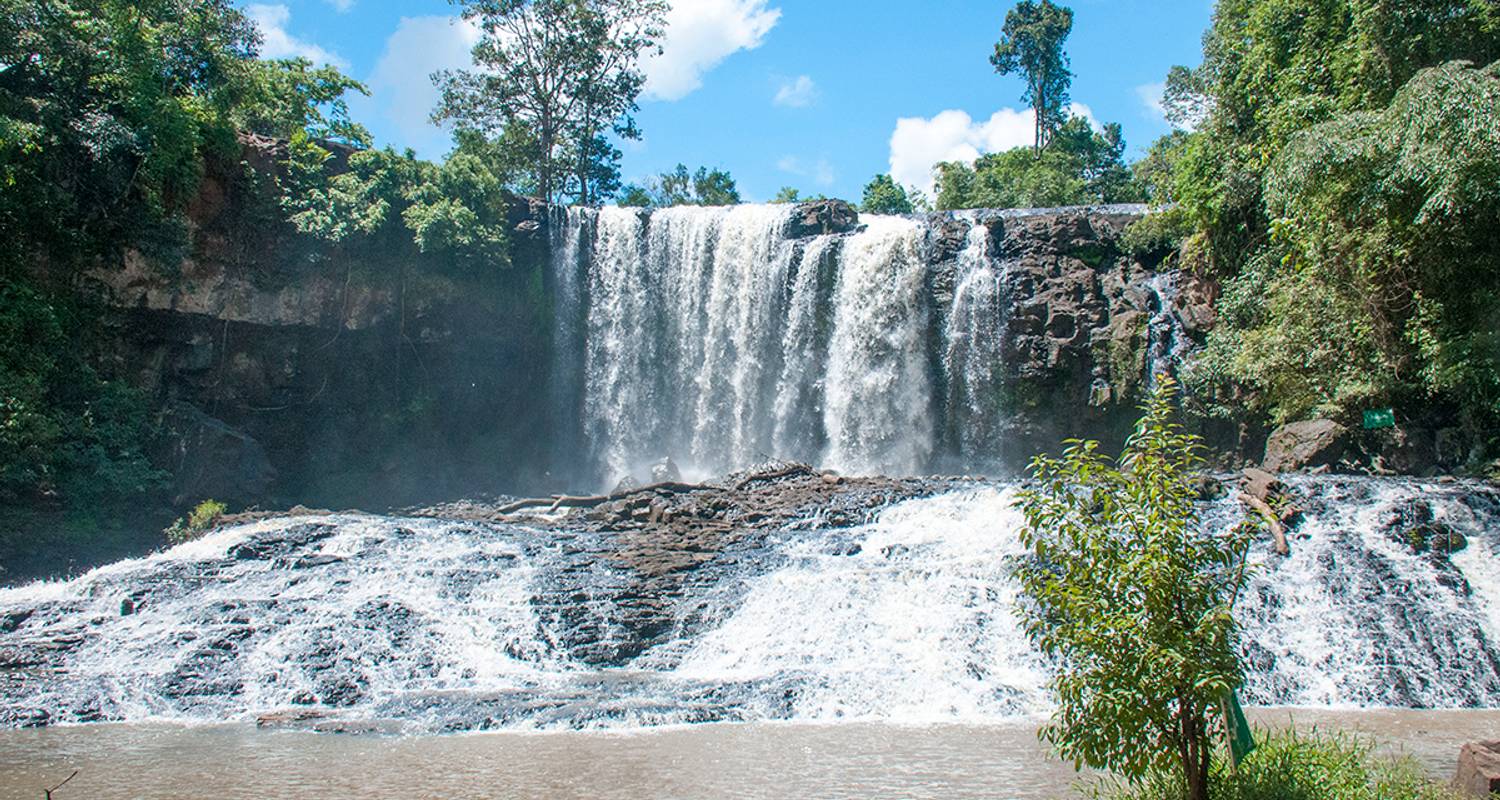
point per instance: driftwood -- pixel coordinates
(558, 501)
(1278, 530)
(794, 469)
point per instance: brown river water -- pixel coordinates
(772, 760)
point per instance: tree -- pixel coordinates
(1338, 294)
(568, 71)
(703, 187)
(1185, 98)
(1131, 598)
(1031, 43)
(786, 194)
(1081, 166)
(884, 196)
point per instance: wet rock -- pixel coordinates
(665, 470)
(11, 620)
(820, 217)
(1261, 485)
(1207, 487)
(319, 560)
(292, 717)
(1301, 445)
(1438, 538)
(281, 543)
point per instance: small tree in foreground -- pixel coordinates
(1131, 598)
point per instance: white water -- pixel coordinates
(441, 625)
(715, 339)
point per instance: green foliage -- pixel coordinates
(1341, 182)
(200, 520)
(1157, 234)
(105, 108)
(456, 209)
(1081, 166)
(884, 196)
(566, 71)
(1031, 43)
(1289, 766)
(1132, 598)
(785, 194)
(1380, 281)
(703, 187)
(65, 434)
(291, 97)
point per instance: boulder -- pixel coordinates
(1300, 445)
(210, 459)
(1478, 769)
(1260, 484)
(665, 471)
(820, 217)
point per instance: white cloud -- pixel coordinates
(700, 34)
(276, 42)
(799, 93)
(918, 144)
(821, 172)
(1151, 97)
(401, 86)
(341, 6)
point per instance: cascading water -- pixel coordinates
(717, 338)
(973, 356)
(452, 626)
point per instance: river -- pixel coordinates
(852, 760)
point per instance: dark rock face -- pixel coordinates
(1300, 445)
(1085, 329)
(820, 217)
(210, 459)
(363, 374)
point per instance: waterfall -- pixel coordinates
(712, 336)
(877, 410)
(440, 625)
(973, 357)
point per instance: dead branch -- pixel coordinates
(794, 469)
(558, 501)
(48, 792)
(1278, 530)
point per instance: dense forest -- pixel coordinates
(1336, 172)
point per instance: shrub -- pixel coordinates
(1288, 766)
(200, 520)
(1131, 597)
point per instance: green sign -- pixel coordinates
(1380, 418)
(1241, 742)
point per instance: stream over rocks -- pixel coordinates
(798, 595)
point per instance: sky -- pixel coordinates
(819, 95)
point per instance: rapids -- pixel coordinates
(438, 625)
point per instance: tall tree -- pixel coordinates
(566, 70)
(1031, 43)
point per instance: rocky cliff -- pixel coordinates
(288, 370)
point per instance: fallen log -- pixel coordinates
(1278, 530)
(558, 501)
(793, 469)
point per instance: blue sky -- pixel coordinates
(816, 94)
